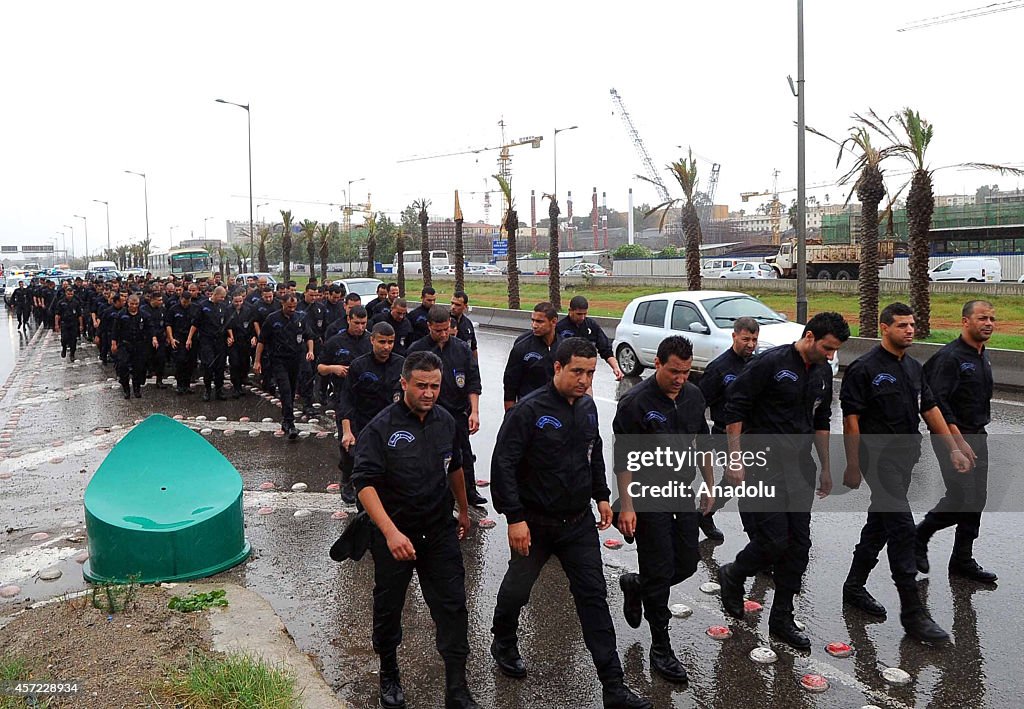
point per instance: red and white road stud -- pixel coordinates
(839, 650)
(265, 510)
(483, 483)
(751, 606)
(613, 543)
(267, 485)
(814, 683)
(334, 487)
(39, 536)
(719, 632)
(340, 514)
(486, 523)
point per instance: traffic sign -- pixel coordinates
(499, 247)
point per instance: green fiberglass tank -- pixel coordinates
(165, 505)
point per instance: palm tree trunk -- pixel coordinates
(400, 254)
(460, 275)
(920, 205)
(262, 256)
(870, 190)
(554, 263)
(691, 225)
(424, 249)
(371, 250)
(311, 255)
(512, 229)
(325, 242)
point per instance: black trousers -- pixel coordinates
(666, 547)
(442, 577)
(24, 315)
(184, 364)
(780, 527)
(131, 363)
(239, 358)
(887, 469)
(213, 353)
(966, 493)
(158, 360)
(286, 373)
(577, 547)
(69, 338)
(307, 380)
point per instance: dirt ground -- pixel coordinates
(120, 659)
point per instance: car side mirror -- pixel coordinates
(699, 328)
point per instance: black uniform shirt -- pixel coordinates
(589, 330)
(886, 392)
(407, 461)
(646, 409)
(343, 349)
(264, 309)
(460, 374)
(960, 378)
(403, 330)
(417, 317)
(376, 306)
(69, 312)
(369, 388)
(241, 322)
(212, 322)
(531, 365)
(108, 319)
(714, 383)
(131, 329)
(157, 319)
(285, 338)
(547, 457)
(778, 393)
(181, 318)
(465, 331)
(336, 327)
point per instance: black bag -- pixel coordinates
(355, 540)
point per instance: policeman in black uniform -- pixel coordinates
(375, 305)
(408, 468)
(336, 357)
(68, 322)
(577, 324)
(786, 393)
(714, 383)
(960, 376)
(108, 318)
(212, 328)
(397, 318)
(156, 315)
(464, 326)
(180, 319)
(241, 342)
(130, 343)
(663, 408)
(546, 468)
(460, 388)
(21, 302)
(531, 361)
(266, 305)
(287, 339)
(419, 316)
(884, 396)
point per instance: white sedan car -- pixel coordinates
(586, 269)
(705, 318)
(749, 270)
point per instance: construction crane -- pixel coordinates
(775, 206)
(705, 210)
(989, 9)
(638, 143)
(487, 202)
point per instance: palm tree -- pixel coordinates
(262, 237)
(145, 246)
(286, 244)
(459, 249)
(371, 242)
(685, 173)
(554, 263)
(240, 256)
(511, 224)
(220, 260)
(309, 235)
(324, 233)
(422, 204)
(400, 259)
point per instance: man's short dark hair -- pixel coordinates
(461, 294)
(438, 313)
(824, 324)
(427, 290)
(675, 345)
(358, 312)
(892, 311)
(392, 285)
(335, 289)
(267, 289)
(288, 297)
(420, 362)
(401, 303)
(353, 297)
(746, 324)
(575, 347)
(578, 302)
(292, 284)
(382, 285)
(384, 329)
(970, 305)
(311, 285)
(547, 310)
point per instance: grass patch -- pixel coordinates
(233, 681)
(196, 601)
(14, 668)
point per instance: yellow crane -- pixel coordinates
(775, 206)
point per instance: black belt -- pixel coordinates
(548, 520)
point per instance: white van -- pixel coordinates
(970, 270)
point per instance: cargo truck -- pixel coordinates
(827, 261)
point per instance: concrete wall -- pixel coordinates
(1007, 365)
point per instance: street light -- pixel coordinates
(107, 205)
(68, 226)
(261, 204)
(248, 120)
(348, 210)
(64, 242)
(171, 231)
(85, 223)
(801, 179)
(206, 219)
(145, 194)
(554, 194)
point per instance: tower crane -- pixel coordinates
(638, 143)
(775, 206)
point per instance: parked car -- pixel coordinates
(482, 269)
(584, 268)
(974, 269)
(365, 287)
(703, 317)
(715, 267)
(749, 270)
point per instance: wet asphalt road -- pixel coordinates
(60, 420)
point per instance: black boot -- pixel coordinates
(206, 394)
(780, 622)
(915, 618)
(632, 603)
(220, 394)
(854, 593)
(506, 654)
(138, 391)
(126, 390)
(616, 695)
(710, 529)
(456, 692)
(472, 494)
(391, 694)
(925, 530)
(732, 590)
(63, 352)
(962, 562)
(663, 660)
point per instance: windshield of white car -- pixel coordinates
(726, 310)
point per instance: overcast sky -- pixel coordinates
(341, 91)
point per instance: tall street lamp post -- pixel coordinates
(145, 195)
(248, 120)
(68, 226)
(348, 209)
(171, 232)
(107, 205)
(85, 223)
(555, 141)
(64, 243)
(205, 219)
